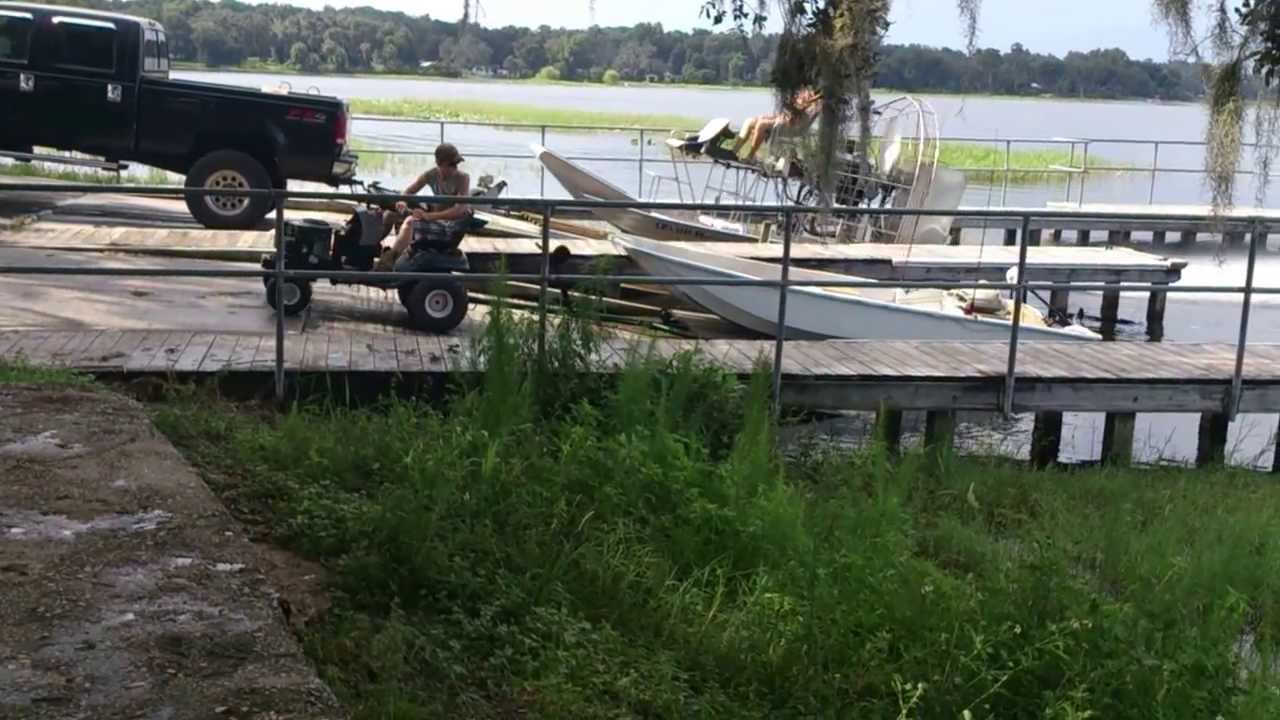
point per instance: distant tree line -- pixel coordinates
(364, 39)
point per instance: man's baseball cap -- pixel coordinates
(447, 154)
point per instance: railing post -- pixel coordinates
(1155, 164)
(640, 172)
(1071, 162)
(1237, 378)
(279, 277)
(782, 311)
(1018, 292)
(441, 131)
(542, 285)
(542, 169)
(1004, 183)
(1084, 172)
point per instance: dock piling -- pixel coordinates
(1117, 439)
(1212, 448)
(1156, 302)
(1046, 439)
(1010, 236)
(1110, 312)
(1082, 237)
(889, 430)
(939, 435)
(1158, 238)
(1188, 237)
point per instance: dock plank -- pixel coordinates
(316, 353)
(295, 349)
(100, 352)
(408, 357)
(241, 358)
(383, 351)
(338, 358)
(170, 350)
(265, 357)
(219, 354)
(142, 357)
(193, 356)
(431, 351)
(70, 352)
(362, 353)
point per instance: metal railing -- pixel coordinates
(1076, 172)
(1020, 286)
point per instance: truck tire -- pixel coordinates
(228, 169)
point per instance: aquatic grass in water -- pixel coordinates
(983, 163)
(153, 176)
(495, 112)
(558, 544)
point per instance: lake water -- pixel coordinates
(1189, 318)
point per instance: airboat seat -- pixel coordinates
(715, 129)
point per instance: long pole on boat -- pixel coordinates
(780, 335)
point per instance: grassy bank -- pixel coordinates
(551, 546)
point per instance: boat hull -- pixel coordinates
(812, 312)
(585, 185)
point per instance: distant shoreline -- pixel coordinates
(881, 91)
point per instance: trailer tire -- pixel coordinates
(437, 306)
(233, 170)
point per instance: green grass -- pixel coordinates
(554, 546)
(22, 372)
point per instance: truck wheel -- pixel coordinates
(297, 296)
(232, 170)
(437, 305)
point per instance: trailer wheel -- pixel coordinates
(297, 296)
(231, 170)
(437, 306)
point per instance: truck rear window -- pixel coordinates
(15, 36)
(82, 43)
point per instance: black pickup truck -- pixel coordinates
(98, 83)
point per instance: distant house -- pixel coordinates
(427, 64)
(651, 78)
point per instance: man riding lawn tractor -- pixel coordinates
(427, 242)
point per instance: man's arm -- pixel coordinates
(413, 189)
(455, 212)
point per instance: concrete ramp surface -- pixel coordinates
(126, 589)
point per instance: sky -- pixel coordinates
(1053, 26)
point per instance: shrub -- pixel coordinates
(550, 72)
(611, 77)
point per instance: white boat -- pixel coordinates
(583, 184)
(815, 312)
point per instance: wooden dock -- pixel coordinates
(887, 377)
(876, 261)
(1084, 222)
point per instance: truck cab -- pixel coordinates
(98, 83)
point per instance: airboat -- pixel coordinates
(899, 169)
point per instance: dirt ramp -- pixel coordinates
(126, 590)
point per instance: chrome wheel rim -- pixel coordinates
(226, 205)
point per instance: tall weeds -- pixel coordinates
(561, 546)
